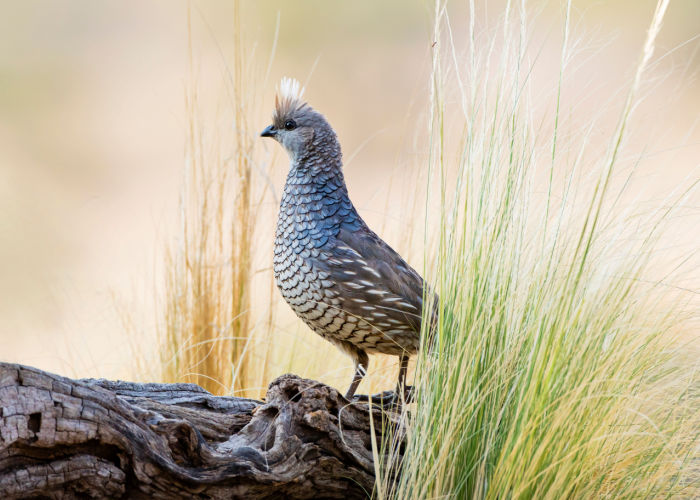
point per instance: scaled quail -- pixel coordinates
(348, 285)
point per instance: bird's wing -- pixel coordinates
(374, 280)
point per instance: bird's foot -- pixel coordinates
(383, 399)
(386, 399)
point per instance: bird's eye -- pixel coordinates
(290, 125)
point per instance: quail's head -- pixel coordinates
(295, 124)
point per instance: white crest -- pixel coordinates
(288, 98)
(290, 89)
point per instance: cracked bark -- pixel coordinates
(65, 438)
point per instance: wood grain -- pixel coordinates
(65, 438)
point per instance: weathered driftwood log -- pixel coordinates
(64, 438)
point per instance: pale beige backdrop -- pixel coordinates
(92, 127)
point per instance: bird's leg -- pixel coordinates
(403, 368)
(361, 364)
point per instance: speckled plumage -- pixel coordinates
(338, 276)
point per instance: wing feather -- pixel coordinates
(375, 282)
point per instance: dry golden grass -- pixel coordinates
(206, 328)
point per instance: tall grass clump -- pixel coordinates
(206, 328)
(559, 370)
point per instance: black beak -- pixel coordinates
(270, 131)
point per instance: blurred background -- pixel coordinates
(93, 129)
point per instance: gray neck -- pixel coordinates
(315, 195)
(319, 168)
